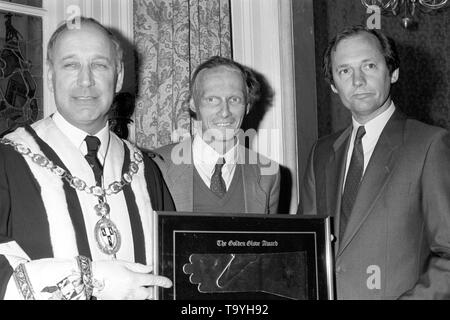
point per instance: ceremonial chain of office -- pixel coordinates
(77, 183)
(107, 234)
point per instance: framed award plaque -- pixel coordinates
(243, 256)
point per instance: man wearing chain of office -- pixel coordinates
(75, 200)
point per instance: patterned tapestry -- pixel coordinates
(172, 37)
(423, 89)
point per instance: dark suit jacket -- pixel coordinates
(399, 228)
(261, 191)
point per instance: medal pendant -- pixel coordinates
(107, 236)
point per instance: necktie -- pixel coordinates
(218, 186)
(354, 175)
(93, 144)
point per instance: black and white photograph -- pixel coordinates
(225, 158)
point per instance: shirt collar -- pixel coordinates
(77, 136)
(207, 157)
(375, 126)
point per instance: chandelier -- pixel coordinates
(405, 8)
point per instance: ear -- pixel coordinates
(192, 105)
(50, 75)
(395, 75)
(334, 88)
(247, 108)
(119, 81)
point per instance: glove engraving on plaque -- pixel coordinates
(281, 274)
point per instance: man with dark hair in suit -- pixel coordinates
(213, 171)
(76, 201)
(385, 180)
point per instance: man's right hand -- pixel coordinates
(125, 280)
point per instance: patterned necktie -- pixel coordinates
(93, 144)
(354, 175)
(218, 186)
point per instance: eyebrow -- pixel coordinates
(68, 57)
(97, 57)
(349, 64)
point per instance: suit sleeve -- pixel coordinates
(434, 282)
(307, 204)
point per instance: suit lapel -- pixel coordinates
(182, 176)
(376, 175)
(254, 196)
(334, 173)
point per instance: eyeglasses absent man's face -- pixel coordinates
(83, 76)
(361, 76)
(220, 102)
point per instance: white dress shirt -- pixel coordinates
(77, 136)
(205, 159)
(373, 129)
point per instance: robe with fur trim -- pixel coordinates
(42, 217)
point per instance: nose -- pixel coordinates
(225, 109)
(85, 77)
(358, 78)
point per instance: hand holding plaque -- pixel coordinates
(282, 274)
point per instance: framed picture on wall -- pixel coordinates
(243, 256)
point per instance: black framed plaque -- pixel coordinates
(243, 256)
